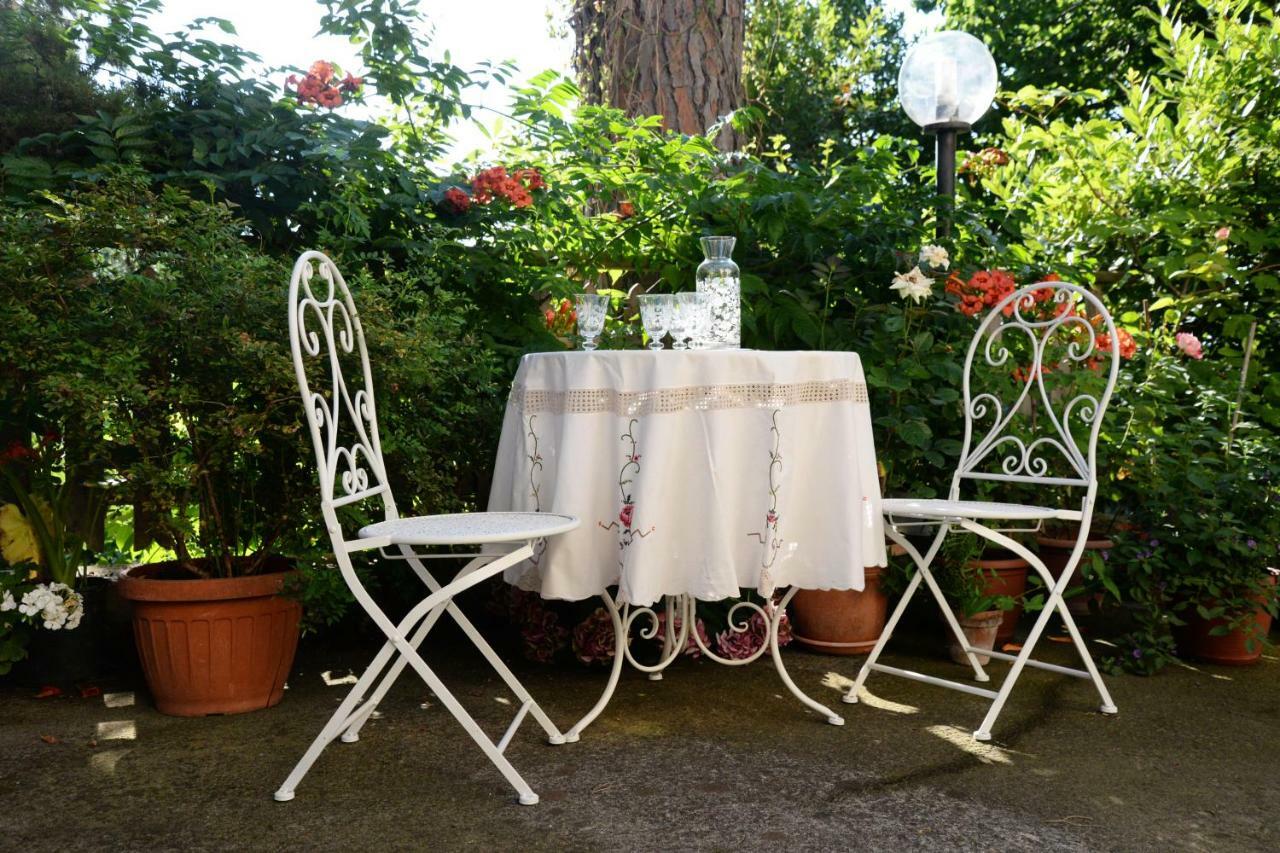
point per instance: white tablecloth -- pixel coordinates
(697, 473)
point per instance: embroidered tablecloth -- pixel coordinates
(694, 473)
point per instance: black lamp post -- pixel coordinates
(946, 84)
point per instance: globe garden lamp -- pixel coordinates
(947, 83)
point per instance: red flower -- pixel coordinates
(771, 518)
(309, 88)
(329, 97)
(457, 200)
(1128, 346)
(322, 70)
(626, 210)
(531, 178)
(625, 516)
(351, 84)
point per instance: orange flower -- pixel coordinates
(351, 84)
(626, 210)
(457, 199)
(329, 97)
(322, 70)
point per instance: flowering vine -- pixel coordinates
(321, 86)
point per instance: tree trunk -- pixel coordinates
(680, 59)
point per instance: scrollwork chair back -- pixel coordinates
(324, 328)
(1043, 433)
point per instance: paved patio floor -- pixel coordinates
(710, 758)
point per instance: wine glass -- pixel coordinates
(655, 314)
(687, 319)
(592, 309)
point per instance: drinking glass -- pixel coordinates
(655, 314)
(592, 308)
(686, 319)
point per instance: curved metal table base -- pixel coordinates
(675, 639)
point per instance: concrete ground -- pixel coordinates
(710, 758)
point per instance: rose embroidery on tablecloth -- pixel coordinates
(625, 523)
(769, 537)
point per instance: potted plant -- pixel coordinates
(1204, 489)
(842, 621)
(44, 595)
(167, 353)
(980, 605)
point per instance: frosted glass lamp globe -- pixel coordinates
(947, 79)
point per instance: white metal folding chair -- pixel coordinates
(1051, 316)
(327, 327)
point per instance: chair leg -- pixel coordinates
(397, 642)
(1015, 670)
(851, 695)
(1107, 707)
(336, 724)
(553, 734)
(1055, 602)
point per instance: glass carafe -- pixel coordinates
(718, 278)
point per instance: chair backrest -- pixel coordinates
(1028, 430)
(325, 328)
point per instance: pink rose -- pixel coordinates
(1222, 233)
(1190, 345)
(628, 510)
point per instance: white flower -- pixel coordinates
(914, 285)
(57, 605)
(935, 256)
(8, 602)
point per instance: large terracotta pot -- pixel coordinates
(1054, 553)
(1005, 575)
(840, 621)
(215, 646)
(1195, 640)
(981, 630)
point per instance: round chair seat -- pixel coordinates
(470, 528)
(938, 508)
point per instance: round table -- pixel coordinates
(696, 474)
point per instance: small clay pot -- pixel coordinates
(1231, 649)
(1006, 575)
(980, 630)
(215, 645)
(840, 621)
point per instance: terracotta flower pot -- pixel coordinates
(981, 630)
(1195, 640)
(216, 646)
(840, 621)
(1055, 552)
(1006, 575)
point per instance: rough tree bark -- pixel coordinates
(681, 59)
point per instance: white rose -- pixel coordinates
(935, 256)
(914, 285)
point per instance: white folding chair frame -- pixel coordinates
(1024, 463)
(360, 470)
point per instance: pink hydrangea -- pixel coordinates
(1190, 345)
(593, 640)
(737, 645)
(690, 645)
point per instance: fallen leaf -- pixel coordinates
(1011, 647)
(49, 739)
(47, 691)
(93, 744)
(1059, 639)
(90, 692)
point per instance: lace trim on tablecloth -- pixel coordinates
(589, 401)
